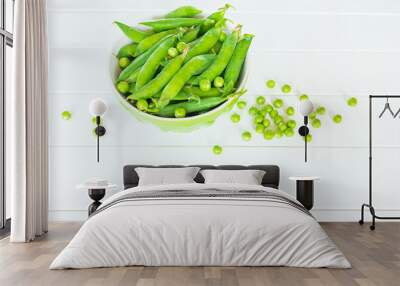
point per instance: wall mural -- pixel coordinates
(185, 70)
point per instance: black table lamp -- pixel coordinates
(306, 107)
(98, 107)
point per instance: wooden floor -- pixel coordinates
(375, 257)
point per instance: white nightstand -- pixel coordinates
(96, 193)
(305, 190)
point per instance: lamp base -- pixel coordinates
(100, 131)
(304, 131)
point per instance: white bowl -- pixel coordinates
(174, 124)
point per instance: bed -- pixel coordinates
(198, 224)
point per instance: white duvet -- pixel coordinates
(200, 231)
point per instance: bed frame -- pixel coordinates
(270, 179)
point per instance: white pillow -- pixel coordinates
(247, 177)
(166, 176)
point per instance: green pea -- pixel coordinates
(291, 124)
(180, 112)
(149, 69)
(278, 119)
(286, 88)
(321, 110)
(217, 150)
(184, 12)
(205, 84)
(308, 138)
(123, 87)
(268, 108)
(219, 82)
(278, 103)
(181, 46)
(260, 100)
(66, 115)
(192, 67)
(290, 111)
(262, 113)
(142, 104)
(269, 134)
(253, 110)
(303, 97)
(172, 23)
(259, 119)
(246, 136)
(289, 132)
(270, 83)
(282, 126)
(312, 115)
(266, 122)
(337, 118)
(124, 62)
(241, 104)
(235, 118)
(316, 123)
(134, 34)
(223, 57)
(352, 101)
(172, 52)
(279, 133)
(259, 128)
(273, 113)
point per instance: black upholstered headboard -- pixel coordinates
(271, 177)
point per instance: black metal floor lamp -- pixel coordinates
(370, 203)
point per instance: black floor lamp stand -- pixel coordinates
(370, 205)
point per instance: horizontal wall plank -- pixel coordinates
(346, 73)
(298, 6)
(296, 31)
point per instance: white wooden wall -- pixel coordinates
(327, 49)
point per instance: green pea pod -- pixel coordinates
(234, 67)
(222, 59)
(194, 90)
(155, 85)
(192, 106)
(149, 68)
(190, 35)
(192, 67)
(214, 18)
(133, 77)
(217, 47)
(147, 43)
(184, 12)
(135, 35)
(220, 13)
(172, 23)
(139, 61)
(128, 50)
(203, 105)
(205, 43)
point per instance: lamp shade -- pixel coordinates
(97, 107)
(306, 107)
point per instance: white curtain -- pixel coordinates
(28, 157)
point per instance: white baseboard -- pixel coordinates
(322, 215)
